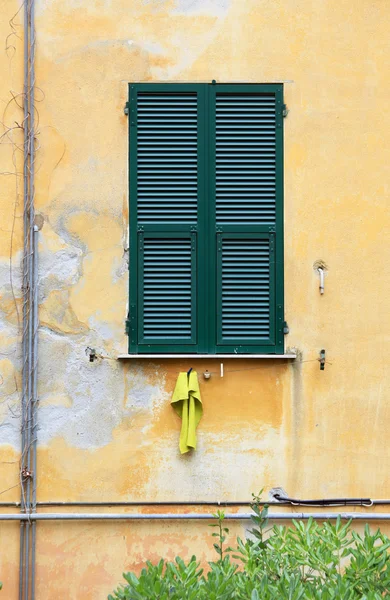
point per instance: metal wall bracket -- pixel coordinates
(322, 360)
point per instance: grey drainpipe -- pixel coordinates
(24, 293)
(34, 414)
(189, 516)
(30, 319)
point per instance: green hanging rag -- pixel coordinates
(187, 403)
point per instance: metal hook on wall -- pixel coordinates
(322, 279)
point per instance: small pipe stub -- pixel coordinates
(91, 353)
(321, 274)
(321, 269)
(322, 360)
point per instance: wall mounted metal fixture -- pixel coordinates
(322, 279)
(91, 353)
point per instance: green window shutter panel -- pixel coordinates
(248, 224)
(166, 187)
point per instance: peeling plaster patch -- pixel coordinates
(9, 411)
(62, 230)
(9, 404)
(120, 265)
(5, 281)
(123, 267)
(60, 264)
(54, 354)
(101, 45)
(10, 359)
(9, 338)
(102, 329)
(209, 7)
(63, 267)
(9, 294)
(96, 390)
(184, 51)
(143, 395)
(192, 7)
(57, 314)
(10, 432)
(152, 47)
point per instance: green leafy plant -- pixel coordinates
(220, 534)
(308, 561)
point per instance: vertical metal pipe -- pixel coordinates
(31, 260)
(25, 224)
(30, 320)
(25, 291)
(33, 557)
(26, 557)
(21, 559)
(34, 414)
(34, 298)
(30, 266)
(28, 435)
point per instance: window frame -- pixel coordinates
(207, 231)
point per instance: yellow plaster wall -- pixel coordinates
(106, 430)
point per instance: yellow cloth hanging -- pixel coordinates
(187, 402)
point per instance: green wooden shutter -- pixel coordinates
(247, 220)
(166, 195)
(206, 218)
